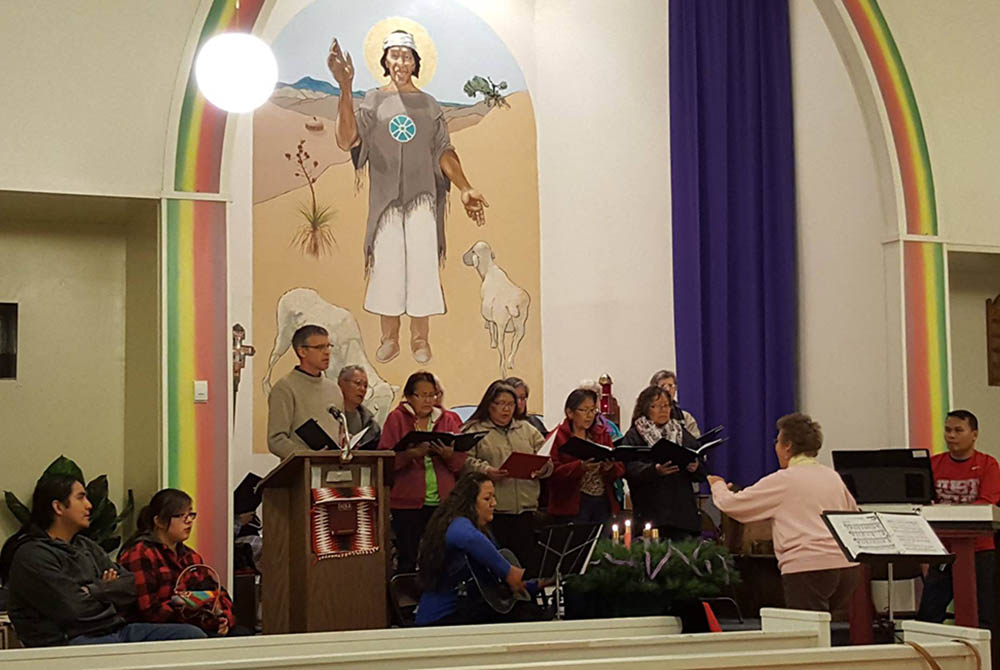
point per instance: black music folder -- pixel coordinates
(315, 437)
(586, 450)
(460, 441)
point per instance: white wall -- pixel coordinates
(843, 376)
(972, 279)
(601, 98)
(68, 398)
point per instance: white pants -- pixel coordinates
(405, 276)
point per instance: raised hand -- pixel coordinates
(341, 66)
(475, 205)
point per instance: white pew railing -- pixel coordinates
(949, 646)
(418, 648)
(266, 646)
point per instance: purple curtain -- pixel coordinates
(733, 181)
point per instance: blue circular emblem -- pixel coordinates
(402, 128)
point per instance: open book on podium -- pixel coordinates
(885, 537)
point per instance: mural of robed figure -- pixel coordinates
(399, 133)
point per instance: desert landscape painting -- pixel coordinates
(311, 206)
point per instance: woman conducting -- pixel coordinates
(815, 575)
(517, 499)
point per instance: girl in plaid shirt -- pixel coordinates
(157, 555)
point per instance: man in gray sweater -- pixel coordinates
(304, 393)
(63, 587)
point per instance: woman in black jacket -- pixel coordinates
(662, 493)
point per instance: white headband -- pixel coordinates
(399, 39)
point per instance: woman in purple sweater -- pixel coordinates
(459, 530)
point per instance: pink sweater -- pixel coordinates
(793, 499)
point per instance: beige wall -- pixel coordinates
(87, 93)
(69, 282)
(952, 55)
(973, 278)
(142, 436)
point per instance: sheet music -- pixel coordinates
(546, 449)
(885, 533)
(912, 534)
(862, 533)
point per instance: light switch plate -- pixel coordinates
(201, 390)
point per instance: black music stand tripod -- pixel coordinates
(566, 550)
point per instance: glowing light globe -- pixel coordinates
(236, 71)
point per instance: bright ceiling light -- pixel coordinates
(236, 71)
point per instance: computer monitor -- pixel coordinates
(887, 475)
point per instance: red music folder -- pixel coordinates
(520, 466)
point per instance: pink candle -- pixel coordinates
(628, 533)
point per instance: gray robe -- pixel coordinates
(401, 172)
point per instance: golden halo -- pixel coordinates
(425, 47)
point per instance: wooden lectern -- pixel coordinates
(300, 594)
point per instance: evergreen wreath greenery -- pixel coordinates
(653, 575)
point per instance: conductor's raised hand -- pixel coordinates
(475, 205)
(341, 66)
(716, 478)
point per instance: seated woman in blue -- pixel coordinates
(459, 529)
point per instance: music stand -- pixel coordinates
(566, 549)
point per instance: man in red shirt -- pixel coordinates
(963, 476)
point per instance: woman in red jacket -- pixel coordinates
(157, 555)
(581, 491)
(425, 474)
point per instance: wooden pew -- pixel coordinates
(418, 648)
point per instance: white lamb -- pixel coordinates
(505, 304)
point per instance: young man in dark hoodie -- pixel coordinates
(63, 587)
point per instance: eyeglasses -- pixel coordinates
(425, 396)
(501, 404)
(317, 347)
(586, 412)
(189, 516)
(359, 383)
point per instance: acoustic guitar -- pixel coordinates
(495, 590)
